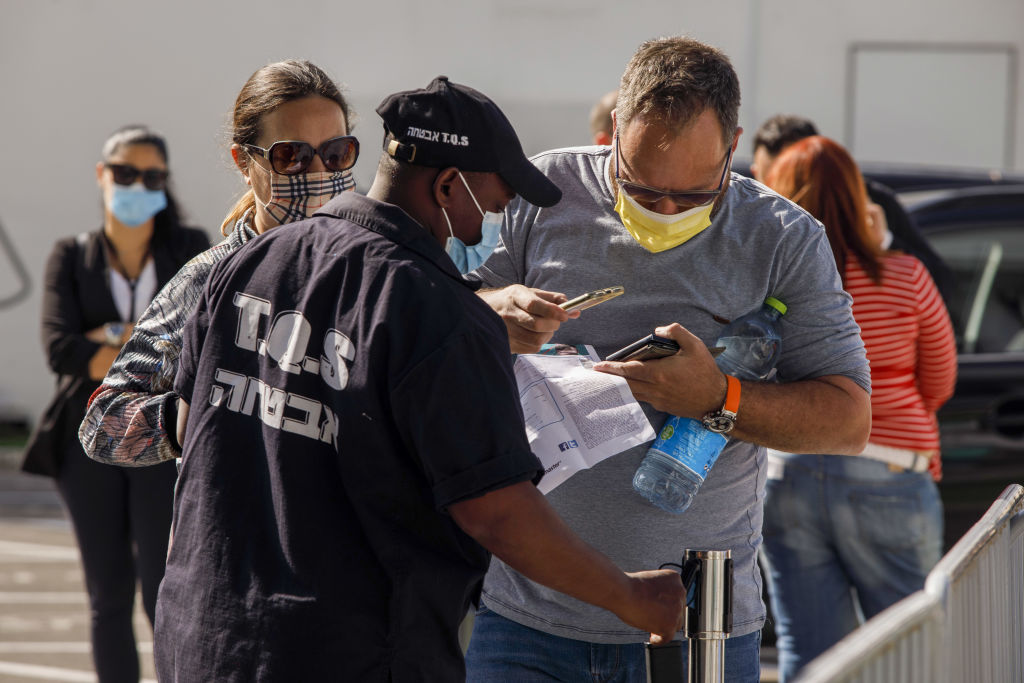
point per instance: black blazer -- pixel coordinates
(77, 298)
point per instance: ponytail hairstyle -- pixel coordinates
(266, 90)
(820, 175)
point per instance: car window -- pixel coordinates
(987, 308)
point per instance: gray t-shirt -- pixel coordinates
(758, 245)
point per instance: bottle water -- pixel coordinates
(677, 462)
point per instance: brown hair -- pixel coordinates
(781, 131)
(820, 175)
(266, 90)
(601, 113)
(675, 80)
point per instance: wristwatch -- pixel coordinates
(723, 420)
(113, 333)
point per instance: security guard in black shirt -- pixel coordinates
(355, 445)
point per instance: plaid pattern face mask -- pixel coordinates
(294, 197)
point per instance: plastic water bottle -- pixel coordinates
(679, 460)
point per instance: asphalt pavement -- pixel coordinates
(44, 618)
(44, 621)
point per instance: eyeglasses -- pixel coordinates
(684, 200)
(125, 174)
(289, 157)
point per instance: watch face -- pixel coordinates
(722, 424)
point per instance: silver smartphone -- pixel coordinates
(585, 301)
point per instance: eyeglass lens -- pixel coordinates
(645, 195)
(337, 154)
(125, 174)
(684, 200)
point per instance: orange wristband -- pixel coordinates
(732, 394)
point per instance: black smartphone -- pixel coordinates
(651, 346)
(585, 301)
(665, 662)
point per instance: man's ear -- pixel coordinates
(99, 173)
(736, 140)
(442, 186)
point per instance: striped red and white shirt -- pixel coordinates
(910, 346)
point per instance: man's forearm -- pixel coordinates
(829, 415)
(518, 525)
(523, 530)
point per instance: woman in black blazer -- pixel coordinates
(97, 285)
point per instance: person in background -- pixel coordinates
(601, 118)
(891, 220)
(96, 285)
(291, 144)
(773, 136)
(354, 443)
(862, 531)
(659, 213)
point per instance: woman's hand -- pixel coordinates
(105, 356)
(99, 335)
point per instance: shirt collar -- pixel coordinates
(243, 230)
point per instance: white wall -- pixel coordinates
(71, 71)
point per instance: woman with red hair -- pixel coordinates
(862, 531)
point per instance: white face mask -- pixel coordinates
(468, 258)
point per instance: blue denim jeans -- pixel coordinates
(844, 538)
(502, 650)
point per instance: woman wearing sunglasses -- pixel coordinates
(96, 286)
(291, 144)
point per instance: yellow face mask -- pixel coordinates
(657, 232)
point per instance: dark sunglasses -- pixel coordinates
(683, 200)
(152, 178)
(289, 157)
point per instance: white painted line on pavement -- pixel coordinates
(57, 647)
(42, 598)
(52, 673)
(39, 550)
(48, 673)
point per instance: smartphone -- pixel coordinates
(584, 301)
(651, 346)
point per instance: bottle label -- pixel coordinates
(690, 443)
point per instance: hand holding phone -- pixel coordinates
(647, 348)
(652, 346)
(585, 301)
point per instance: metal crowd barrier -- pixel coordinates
(967, 625)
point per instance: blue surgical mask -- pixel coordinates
(133, 205)
(490, 229)
(468, 258)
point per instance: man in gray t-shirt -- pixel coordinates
(659, 213)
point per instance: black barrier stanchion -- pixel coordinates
(707, 622)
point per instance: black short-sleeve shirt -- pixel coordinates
(346, 385)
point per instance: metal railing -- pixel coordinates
(17, 268)
(967, 624)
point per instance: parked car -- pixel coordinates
(979, 232)
(975, 221)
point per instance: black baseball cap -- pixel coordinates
(447, 124)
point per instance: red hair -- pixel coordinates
(820, 175)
